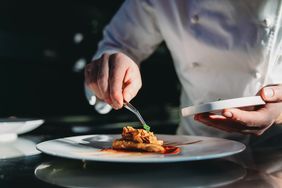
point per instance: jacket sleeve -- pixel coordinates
(132, 31)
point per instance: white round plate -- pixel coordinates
(15, 126)
(222, 104)
(92, 147)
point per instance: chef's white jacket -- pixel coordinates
(221, 49)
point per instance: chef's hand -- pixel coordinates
(254, 121)
(113, 79)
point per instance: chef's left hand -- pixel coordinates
(254, 121)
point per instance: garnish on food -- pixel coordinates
(146, 127)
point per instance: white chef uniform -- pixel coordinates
(221, 49)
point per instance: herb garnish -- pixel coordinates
(146, 127)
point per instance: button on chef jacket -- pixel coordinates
(221, 49)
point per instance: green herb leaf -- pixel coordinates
(146, 127)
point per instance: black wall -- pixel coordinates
(38, 54)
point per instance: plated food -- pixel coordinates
(141, 140)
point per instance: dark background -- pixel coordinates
(38, 55)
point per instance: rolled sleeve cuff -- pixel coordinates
(100, 106)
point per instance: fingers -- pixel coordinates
(228, 125)
(272, 93)
(130, 91)
(113, 78)
(132, 85)
(116, 76)
(90, 74)
(259, 118)
(217, 121)
(249, 121)
(103, 77)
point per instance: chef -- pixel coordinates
(221, 49)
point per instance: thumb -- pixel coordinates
(130, 91)
(272, 93)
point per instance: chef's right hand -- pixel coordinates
(113, 78)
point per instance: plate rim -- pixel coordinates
(222, 104)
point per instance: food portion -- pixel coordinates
(139, 140)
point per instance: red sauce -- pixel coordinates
(172, 150)
(168, 150)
